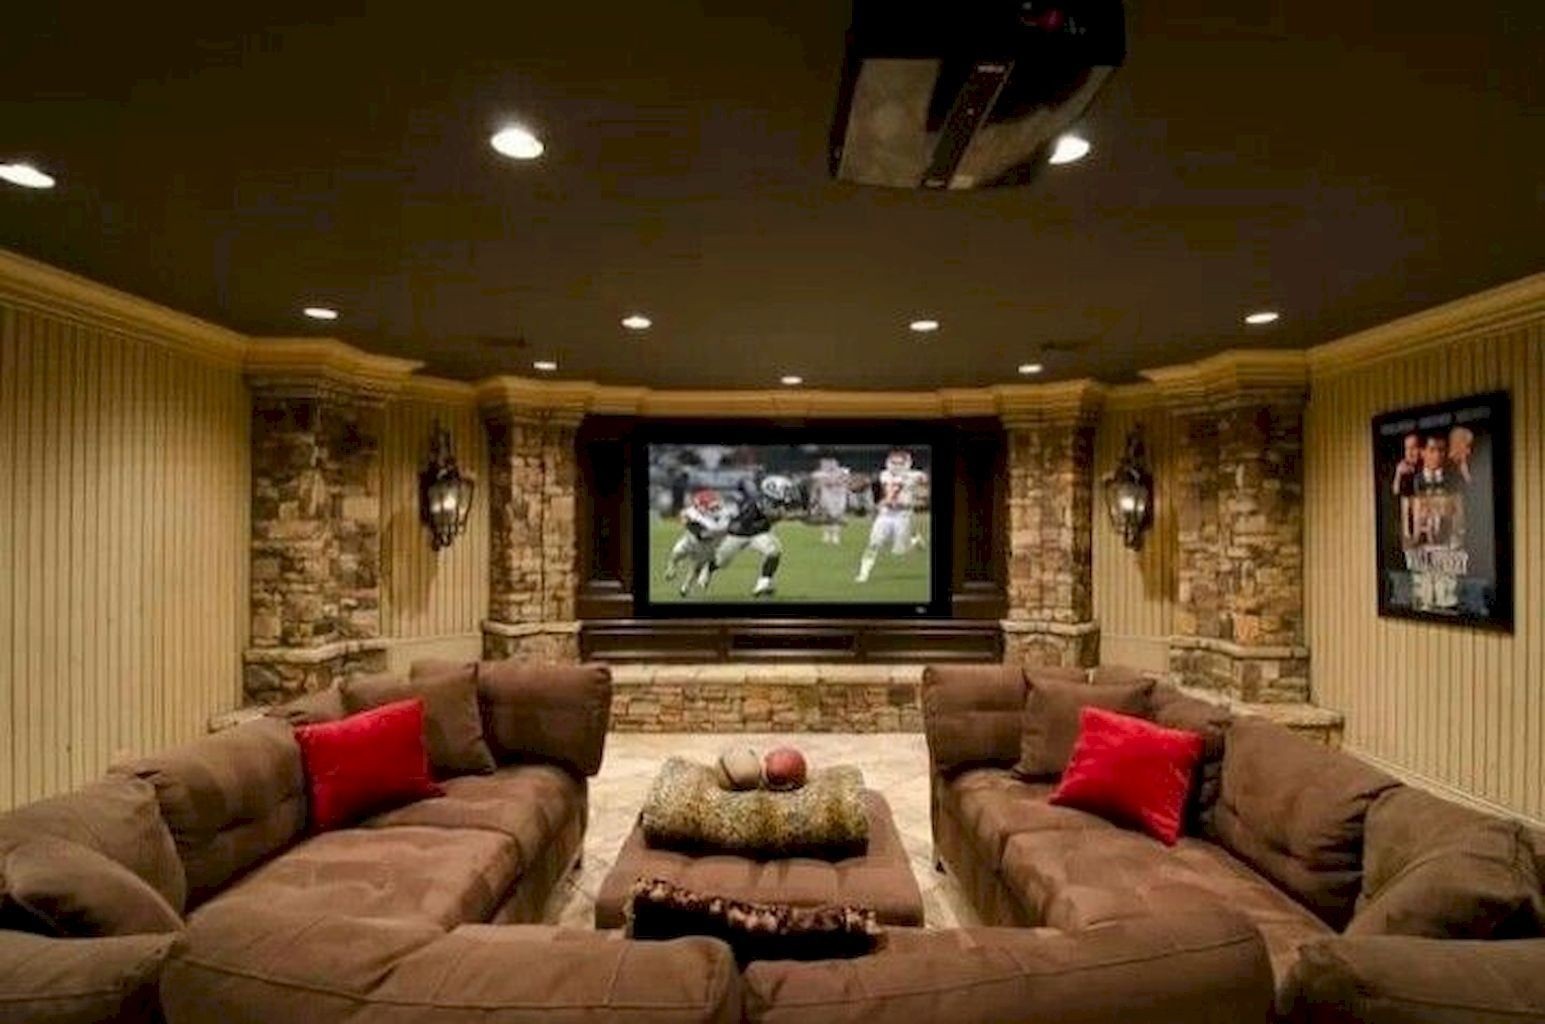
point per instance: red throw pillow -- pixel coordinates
(1130, 771)
(366, 762)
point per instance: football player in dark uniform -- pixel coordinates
(750, 526)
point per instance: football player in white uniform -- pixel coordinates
(899, 489)
(704, 523)
(833, 484)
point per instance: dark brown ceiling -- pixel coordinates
(1344, 162)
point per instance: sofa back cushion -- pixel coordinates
(118, 818)
(1174, 710)
(245, 962)
(81, 981)
(1436, 869)
(1295, 810)
(973, 715)
(230, 799)
(453, 725)
(1186, 967)
(59, 888)
(313, 708)
(546, 712)
(1053, 705)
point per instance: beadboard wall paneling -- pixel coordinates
(123, 547)
(1461, 708)
(433, 602)
(1134, 591)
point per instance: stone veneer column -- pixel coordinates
(317, 413)
(533, 575)
(1051, 504)
(1239, 481)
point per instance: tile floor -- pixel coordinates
(895, 764)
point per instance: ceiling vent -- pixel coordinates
(967, 95)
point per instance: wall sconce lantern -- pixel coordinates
(444, 493)
(1129, 492)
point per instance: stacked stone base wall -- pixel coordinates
(273, 676)
(785, 698)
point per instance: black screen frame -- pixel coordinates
(726, 432)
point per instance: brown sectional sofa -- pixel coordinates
(417, 914)
(1282, 830)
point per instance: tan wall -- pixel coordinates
(433, 602)
(123, 547)
(1134, 591)
(1455, 707)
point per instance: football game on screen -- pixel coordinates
(806, 523)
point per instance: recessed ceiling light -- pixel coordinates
(1030, 369)
(25, 175)
(1265, 316)
(545, 365)
(792, 379)
(517, 142)
(924, 326)
(637, 322)
(320, 313)
(1068, 149)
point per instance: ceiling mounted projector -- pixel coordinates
(952, 95)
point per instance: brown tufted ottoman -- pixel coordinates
(881, 879)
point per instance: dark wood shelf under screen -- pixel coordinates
(714, 640)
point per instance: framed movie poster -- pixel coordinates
(1443, 482)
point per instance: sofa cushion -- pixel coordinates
(1130, 771)
(322, 706)
(535, 711)
(993, 805)
(453, 726)
(1191, 967)
(1174, 710)
(1052, 706)
(1079, 880)
(81, 981)
(230, 799)
(1294, 810)
(973, 715)
(1434, 868)
(316, 966)
(444, 877)
(881, 879)
(118, 818)
(1398, 979)
(530, 804)
(67, 890)
(365, 763)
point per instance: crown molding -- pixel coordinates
(1493, 310)
(1064, 403)
(1133, 397)
(525, 399)
(1232, 377)
(309, 366)
(440, 390)
(58, 293)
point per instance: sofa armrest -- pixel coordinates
(973, 714)
(1185, 968)
(1396, 979)
(45, 980)
(535, 711)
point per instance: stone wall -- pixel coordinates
(1050, 572)
(316, 540)
(1238, 479)
(763, 698)
(533, 575)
